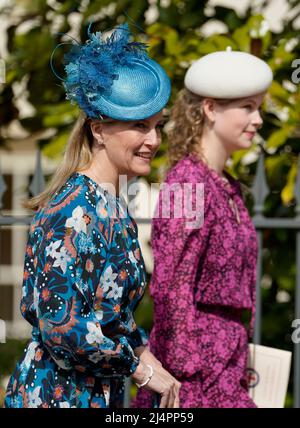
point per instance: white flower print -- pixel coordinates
(33, 398)
(99, 314)
(66, 405)
(77, 220)
(62, 258)
(108, 279)
(95, 334)
(52, 248)
(30, 354)
(115, 293)
(106, 395)
(85, 242)
(81, 285)
(36, 296)
(132, 258)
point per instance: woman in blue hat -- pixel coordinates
(84, 273)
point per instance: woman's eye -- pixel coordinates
(140, 125)
(160, 126)
(248, 106)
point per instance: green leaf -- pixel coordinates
(55, 148)
(279, 138)
(287, 193)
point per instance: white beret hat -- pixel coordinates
(228, 74)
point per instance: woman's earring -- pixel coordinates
(100, 142)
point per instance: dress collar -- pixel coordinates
(229, 184)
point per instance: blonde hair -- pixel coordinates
(77, 155)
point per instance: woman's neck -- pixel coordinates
(214, 153)
(107, 178)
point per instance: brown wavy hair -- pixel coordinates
(185, 127)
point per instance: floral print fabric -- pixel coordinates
(202, 281)
(84, 275)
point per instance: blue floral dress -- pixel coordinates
(83, 278)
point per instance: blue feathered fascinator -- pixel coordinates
(114, 77)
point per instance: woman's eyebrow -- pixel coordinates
(247, 100)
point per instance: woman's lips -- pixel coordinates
(250, 135)
(146, 157)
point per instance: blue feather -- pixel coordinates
(90, 68)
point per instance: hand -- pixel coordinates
(146, 356)
(162, 382)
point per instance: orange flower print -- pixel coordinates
(26, 275)
(99, 296)
(97, 305)
(58, 392)
(35, 261)
(137, 254)
(45, 294)
(123, 275)
(132, 294)
(47, 267)
(23, 308)
(29, 251)
(81, 369)
(89, 266)
(49, 234)
(117, 308)
(38, 355)
(103, 212)
(87, 218)
(95, 405)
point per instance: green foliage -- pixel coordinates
(10, 353)
(175, 40)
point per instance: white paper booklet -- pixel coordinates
(268, 374)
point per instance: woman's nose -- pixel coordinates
(152, 138)
(257, 120)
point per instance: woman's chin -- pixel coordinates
(243, 144)
(141, 169)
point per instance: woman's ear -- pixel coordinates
(208, 106)
(96, 129)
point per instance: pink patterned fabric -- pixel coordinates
(202, 281)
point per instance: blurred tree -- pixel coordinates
(175, 39)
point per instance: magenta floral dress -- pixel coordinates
(203, 280)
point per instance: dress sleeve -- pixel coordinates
(79, 327)
(138, 337)
(178, 250)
